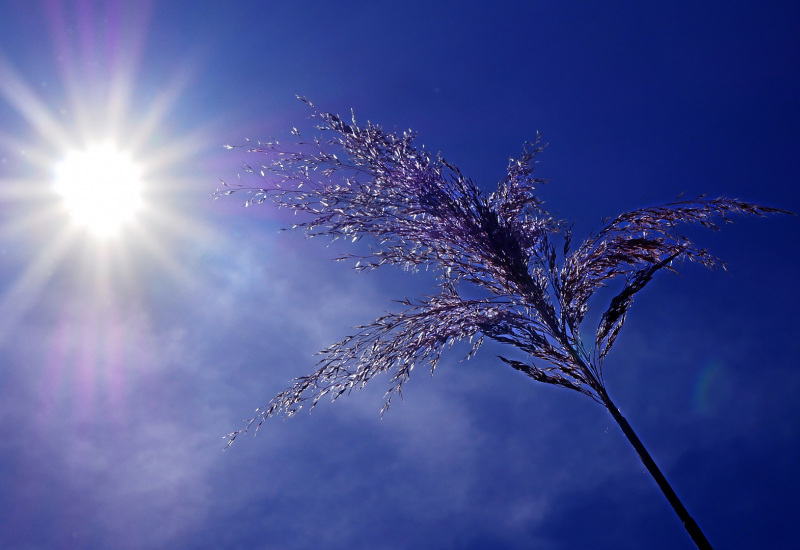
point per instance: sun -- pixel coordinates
(100, 187)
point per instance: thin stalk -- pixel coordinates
(688, 522)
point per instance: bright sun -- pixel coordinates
(100, 187)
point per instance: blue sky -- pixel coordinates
(123, 362)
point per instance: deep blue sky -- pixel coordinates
(122, 365)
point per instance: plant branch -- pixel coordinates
(688, 521)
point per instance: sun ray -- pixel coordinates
(23, 292)
(25, 100)
(165, 100)
(179, 226)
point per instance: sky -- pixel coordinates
(126, 359)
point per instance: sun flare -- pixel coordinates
(100, 187)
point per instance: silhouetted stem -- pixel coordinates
(688, 522)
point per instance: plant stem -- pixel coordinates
(688, 522)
